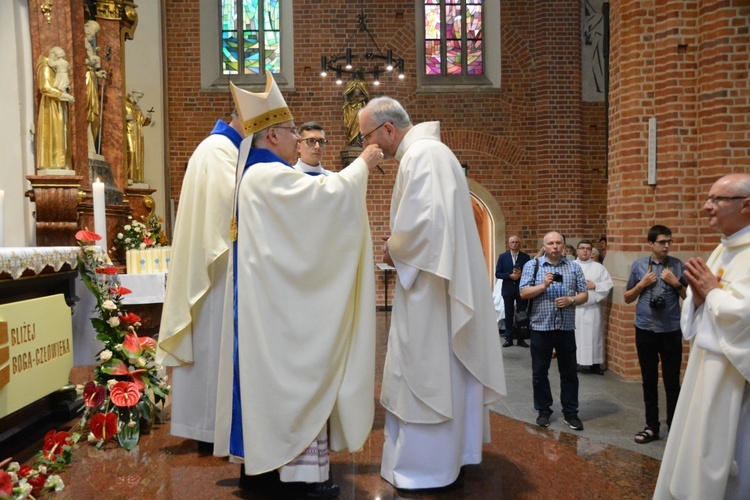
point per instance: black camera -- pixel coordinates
(557, 277)
(657, 302)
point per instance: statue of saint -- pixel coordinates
(93, 73)
(356, 96)
(135, 121)
(53, 149)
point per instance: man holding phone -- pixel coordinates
(557, 285)
(508, 269)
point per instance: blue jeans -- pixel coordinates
(564, 344)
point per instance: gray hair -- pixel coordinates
(386, 109)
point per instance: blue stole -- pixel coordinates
(222, 128)
(236, 443)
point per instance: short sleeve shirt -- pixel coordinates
(659, 320)
(545, 315)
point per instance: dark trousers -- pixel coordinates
(564, 344)
(511, 302)
(651, 347)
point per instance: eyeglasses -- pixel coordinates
(714, 200)
(293, 130)
(363, 138)
(663, 243)
(311, 141)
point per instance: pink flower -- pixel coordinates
(104, 426)
(125, 394)
(87, 237)
(94, 394)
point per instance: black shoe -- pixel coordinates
(596, 369)
(522, 343)
(543, 419)
(265, 481)
(322, 491)
(508, 343)
(572, 420)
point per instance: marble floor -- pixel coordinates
(523, 461)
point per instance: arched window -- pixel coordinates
(241, 39)
(250, 37)
(453, 49)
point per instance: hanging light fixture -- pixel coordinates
(358, 65)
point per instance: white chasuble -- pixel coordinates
(443, 314)
(305, 315)
(190, 329)
(708, 449)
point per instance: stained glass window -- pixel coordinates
(250, 33)
(453, 37)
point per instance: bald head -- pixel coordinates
(728, 204)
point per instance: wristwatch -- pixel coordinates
(679, 287)
(572, 301)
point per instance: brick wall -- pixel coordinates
(533, 145)
(686, 64)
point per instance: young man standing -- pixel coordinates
(658, 283)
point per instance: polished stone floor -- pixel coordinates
(523, 461)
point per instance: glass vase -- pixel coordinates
(130, 431)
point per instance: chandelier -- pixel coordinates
(370, 62)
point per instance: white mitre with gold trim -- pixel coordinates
(257, 111)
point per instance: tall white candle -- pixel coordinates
(2, 218)
(100, 213)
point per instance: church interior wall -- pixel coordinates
(533, 143)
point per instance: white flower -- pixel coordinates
(114, 321)
(137, 229)
(127, 240)
(25, 489)
(42, 469)
(142, 246)
(140, 362)
(131, 424)
(109, 305)
(132, 362)
(13, 477)
(127, 227)
(91, 438)
(110, 383)
(13, 467)
(105, 355)
(56, 482)
(120, 236)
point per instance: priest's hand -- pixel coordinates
(373, 156)
(700, 279)
(386, 254)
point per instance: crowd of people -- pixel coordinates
(269, 321)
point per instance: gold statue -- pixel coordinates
(93, 73)
(356, 96)
(53, 149)
(135, 121)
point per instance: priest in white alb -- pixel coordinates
(590, 315)
(708, 450)
(190, 330)
(298, 347)
(444, 363)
